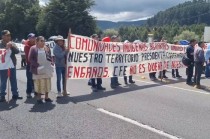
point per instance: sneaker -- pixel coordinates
(28, 96)
(131, 81)
(39, 101)
(65, 93)
(48, 100)
(173, 76)
(59, 95)
(101, 88)
(2, 99)
(16, 97)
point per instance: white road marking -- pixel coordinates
(147, 127)
(169, 86)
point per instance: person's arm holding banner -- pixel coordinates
(14, 48)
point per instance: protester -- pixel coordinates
(28, 44)
(199, 60)
(190, 55)
(94, 86)
(152, 75)
(60, 54)
(114, 80)
(130, 80)
(176, 70)
(162, 74)
(41, 68)
(207, 59)
(7, 44)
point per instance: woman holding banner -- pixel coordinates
(40, 59)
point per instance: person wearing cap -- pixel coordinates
(130, 78)
(96, 86)
(114, 80)
(60, 54)
(190, 55)
(28, 44)
(7, 44)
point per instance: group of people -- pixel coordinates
(114, 80)
(197, 59)
(39, 68)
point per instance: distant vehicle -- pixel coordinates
(20, 47)
(184, 42)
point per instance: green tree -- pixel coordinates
(60, 15)
(187, 35)
(110, 32)
(19, 16)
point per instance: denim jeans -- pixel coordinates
(30, 83)
(13, 82)
(60, 73)
(190, 73)
(114, 80)
(198, 72)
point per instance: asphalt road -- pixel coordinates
(145, 110)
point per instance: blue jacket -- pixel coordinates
(60, 56)
(207, 55)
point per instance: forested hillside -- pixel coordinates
(188, 13)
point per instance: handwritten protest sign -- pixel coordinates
(5, 60)
(90, 58)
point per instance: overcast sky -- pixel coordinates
(127, 10)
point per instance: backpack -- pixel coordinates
(186, 61)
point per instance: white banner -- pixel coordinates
(5, 60)
(89, 58)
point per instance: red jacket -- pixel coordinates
(27, 48)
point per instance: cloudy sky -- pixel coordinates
(128, 10)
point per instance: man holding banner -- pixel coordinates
(97, 86)
(9, 70)
(28, 44)
(114, 80)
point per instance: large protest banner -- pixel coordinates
(88, 58)
(5, 60)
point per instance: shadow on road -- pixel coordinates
(118, 90)
(42, 108)
(65, 100)
(5, 106)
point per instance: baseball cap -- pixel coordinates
(31, 35)
(5, 32)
